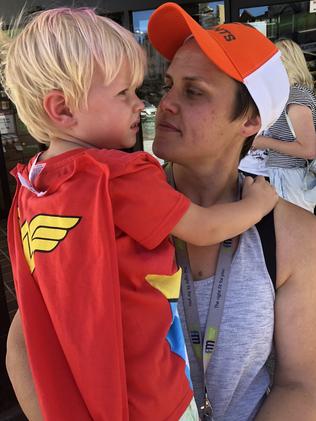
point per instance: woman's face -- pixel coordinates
(194, 116)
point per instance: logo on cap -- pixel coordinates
(228, 36)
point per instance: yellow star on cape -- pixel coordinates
(168, 285)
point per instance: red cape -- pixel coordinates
(71, 317)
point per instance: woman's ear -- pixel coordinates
(251, 126)
(58, 112)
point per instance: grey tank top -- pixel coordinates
(237, 376)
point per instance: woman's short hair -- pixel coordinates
(59, 49)
(242, 105)
(295, 63)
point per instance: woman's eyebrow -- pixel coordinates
(194, 79)
(188, 78)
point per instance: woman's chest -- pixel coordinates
(203, 260)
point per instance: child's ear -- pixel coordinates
(59, 113)
(250, 126)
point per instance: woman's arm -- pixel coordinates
(304, 145)
(293, 395)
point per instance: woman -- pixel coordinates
(204, 133)
(200, 132)
(292, 139)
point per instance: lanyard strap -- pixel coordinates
(203, 344)
(203, 351)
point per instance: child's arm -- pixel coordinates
(207, 226)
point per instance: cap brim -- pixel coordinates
(169, 26)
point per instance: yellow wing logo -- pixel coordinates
(44, 233)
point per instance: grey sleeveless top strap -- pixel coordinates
(237, 377)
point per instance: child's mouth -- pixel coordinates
(135, 125)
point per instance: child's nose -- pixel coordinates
(139, 104)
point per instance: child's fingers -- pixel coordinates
(249, 180)
(260, 180)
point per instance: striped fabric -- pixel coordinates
(281, 128)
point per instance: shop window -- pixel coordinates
(296, 21)
(117, 17)
(209, 14)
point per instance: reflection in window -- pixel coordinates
(151, 89)
(296, 21)
(207, 14)
(248, 14)
(140, 21)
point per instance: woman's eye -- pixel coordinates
(193, 92)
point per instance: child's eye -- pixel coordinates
(124, 92)
(166, 88)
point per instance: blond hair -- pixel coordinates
(59, 49)
(295, 63)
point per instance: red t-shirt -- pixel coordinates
(97, 286)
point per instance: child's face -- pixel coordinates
(113, 115)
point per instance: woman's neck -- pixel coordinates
(207, 186)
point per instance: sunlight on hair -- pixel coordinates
(59, 49)
(295, 63)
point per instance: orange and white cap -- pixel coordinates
(239, 50)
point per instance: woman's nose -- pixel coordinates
(169, 103)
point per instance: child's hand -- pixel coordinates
(261, 193)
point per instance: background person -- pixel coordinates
(292, 138)
(255, 162)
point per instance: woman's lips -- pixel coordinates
(168, 127)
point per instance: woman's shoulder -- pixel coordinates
(295, 230)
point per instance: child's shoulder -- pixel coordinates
(121, 162)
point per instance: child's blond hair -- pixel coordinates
(59, 49)
(295, 63)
